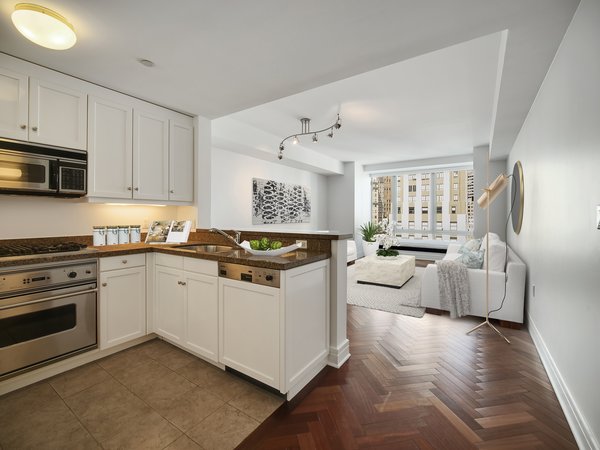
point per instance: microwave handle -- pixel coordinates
(54, 174)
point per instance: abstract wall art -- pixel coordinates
(275, 202)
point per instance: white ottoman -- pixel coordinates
(391, 272)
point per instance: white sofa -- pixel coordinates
(512, 310)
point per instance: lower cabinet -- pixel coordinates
(249, 326)
(186, 294)
(122, 304)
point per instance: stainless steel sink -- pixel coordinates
(207, 248)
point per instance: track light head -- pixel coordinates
(330, 134)
(315, 138)
(295, 140)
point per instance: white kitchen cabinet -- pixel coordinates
(122, 305)
(57, 115)
(150, 154)
(37, 110)
(14, 119)
(249, 329)
(202, 315)
(170, 304)
(181, 160)
(110, 148)
(186, 297)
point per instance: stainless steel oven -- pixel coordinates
(40, 170)
(47, 312)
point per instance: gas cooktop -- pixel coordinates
(39, 249)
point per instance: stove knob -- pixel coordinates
(72, 274)
(269, 277)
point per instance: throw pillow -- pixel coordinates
(496, 257)
(473, 260)
(493, 238)
(470, 246)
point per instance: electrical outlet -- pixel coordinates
(302, 243)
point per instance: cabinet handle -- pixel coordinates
(129, 188)
(183, 283)
(34, 128)
(23, 127)
(137, 189)
(104, 284)
(179, 282)
(124, 261)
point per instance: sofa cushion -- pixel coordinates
(496, 257)
(473, 260)
(493, 238)
(470, 246)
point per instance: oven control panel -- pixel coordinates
(31, 278)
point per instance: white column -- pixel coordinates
(339, 346)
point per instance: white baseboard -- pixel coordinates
(338, 356)
(584, 435)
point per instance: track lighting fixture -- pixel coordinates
(305, 123)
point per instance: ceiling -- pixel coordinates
(218, 58)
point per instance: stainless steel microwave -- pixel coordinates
(41, 170)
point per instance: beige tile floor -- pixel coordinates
(153, 395)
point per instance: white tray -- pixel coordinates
(278, 252)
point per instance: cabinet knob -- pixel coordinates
(23, 127)
(136, 189)
(129, 188)
(104, 284)
(34, 128)
(183, 283)
(124, 261)
(172, 191)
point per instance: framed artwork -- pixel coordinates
(275, 202)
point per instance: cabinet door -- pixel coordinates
(181, 161)
(170, 304)
(110, 149)
(202, 315)
(57, 115)
(122, 306)
(249, 330)
(13, 105)
(150, 154)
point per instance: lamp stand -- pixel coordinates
(487, 266)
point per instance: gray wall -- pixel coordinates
(340, 200)
(498, 209)
(559, 147)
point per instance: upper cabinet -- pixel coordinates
(150, 154)
(181, 160)
(39, 111)
(139, 151)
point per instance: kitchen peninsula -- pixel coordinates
(281, 334)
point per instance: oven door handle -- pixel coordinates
(47, 299)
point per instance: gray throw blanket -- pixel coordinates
(455, 295)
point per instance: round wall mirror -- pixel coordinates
(517, 196)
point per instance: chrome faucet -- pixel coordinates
(235, 240)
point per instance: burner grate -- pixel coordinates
(39, 249)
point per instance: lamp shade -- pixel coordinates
(492, 191)
(43, 26)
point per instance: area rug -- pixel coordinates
(405, 300)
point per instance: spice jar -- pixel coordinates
(112, 235)
(135, 233)
(99, 235)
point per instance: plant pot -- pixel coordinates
(369, 248)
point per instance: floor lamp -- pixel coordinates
(489, 195)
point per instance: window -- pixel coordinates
(452, 201)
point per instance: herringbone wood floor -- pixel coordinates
(423, 384)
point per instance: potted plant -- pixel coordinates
(368, 232)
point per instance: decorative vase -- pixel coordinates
(370, 248)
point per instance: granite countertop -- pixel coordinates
(288, 261)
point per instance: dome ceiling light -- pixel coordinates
(43, 26)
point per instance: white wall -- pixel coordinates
(559, 147)
(231, 199)
(362, 204)
(498, 209)
(340, 200)
(24, 216)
